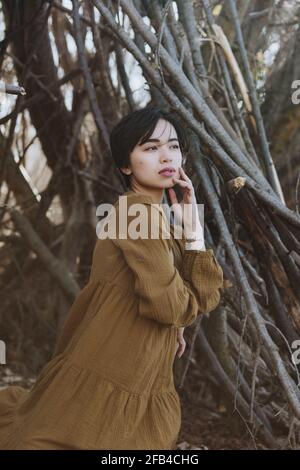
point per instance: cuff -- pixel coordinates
(195, 259)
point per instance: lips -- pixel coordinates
(168, 171)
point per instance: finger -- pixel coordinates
(183, 181)
(183, 184)
(182, 172)
(173, 196)
(181, 342)
(180, 352)
(184, 175)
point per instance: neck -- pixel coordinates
(155, 193)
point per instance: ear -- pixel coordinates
(126, 171)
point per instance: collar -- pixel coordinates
(139, 197)
(133, 197)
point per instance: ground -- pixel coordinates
(209, 430)
(205, 421)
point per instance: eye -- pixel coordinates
(175, 146)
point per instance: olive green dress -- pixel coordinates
(110, 382)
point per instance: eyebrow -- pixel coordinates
(157, 140)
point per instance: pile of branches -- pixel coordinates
(203, 73)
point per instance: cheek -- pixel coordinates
(140, 168)
(137, 165)
(142, 164)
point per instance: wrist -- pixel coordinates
(192, 237)
(195, 245)
(196, 233)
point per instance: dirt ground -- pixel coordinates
(210, 430)
(205, 422)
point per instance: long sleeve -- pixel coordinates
(205, 276)
(163, 294)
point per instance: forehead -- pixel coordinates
(163, 130)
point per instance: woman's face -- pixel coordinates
(159, 152)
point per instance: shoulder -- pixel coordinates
(139, 211)
(131, 203)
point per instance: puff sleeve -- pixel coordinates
(163, 294)
(205, 277)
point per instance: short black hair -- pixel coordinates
(138, 126)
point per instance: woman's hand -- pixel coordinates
(181, 342)
(186, 212)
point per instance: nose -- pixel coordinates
(165, 154)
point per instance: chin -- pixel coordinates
(165, 185)
(158, 184)
(169, 184)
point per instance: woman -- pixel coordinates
(110, 382)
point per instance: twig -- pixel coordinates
(297, 195)
(40, 95)
(225, 381)
(253, 381)
(124, 77)
(33, 75)
(160, 35)
(228, 83)
(99, 181)
(57, 270)
(189, 358)
(87, 77)
(12, 89)
(269, 165)
(187, 17)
